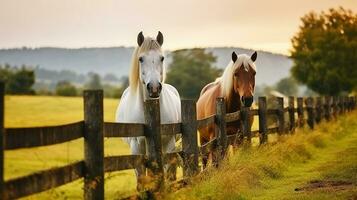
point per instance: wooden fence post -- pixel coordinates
(342, 105)
(189, 138)
(93, 145)
(318, 110)
(310, 112)
(280, 114)
(300, 111)
(2, 93)
(246, 129)
(291, 114)
(221, 127)
(327, 106)
(153, 141)
(351, 103)
(335, 106)
(263, 129)
(347, 106)
(350, 100)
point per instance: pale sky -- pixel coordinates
(261, 25)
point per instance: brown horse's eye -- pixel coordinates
(236, 74)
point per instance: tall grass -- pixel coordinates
(252, 172)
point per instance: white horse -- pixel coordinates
(146, 81)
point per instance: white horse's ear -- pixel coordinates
(254, 56)
(160, 38)
(234, 57)
(140, 39)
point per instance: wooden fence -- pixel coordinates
(93, 129)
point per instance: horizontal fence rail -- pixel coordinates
(43, 180)
(93, 129)
(112, 129)
(16, 138)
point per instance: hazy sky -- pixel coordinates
(264, 24)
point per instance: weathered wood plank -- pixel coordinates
(263, 129)
(43, 180)
(114, 129)
(171, 129)
(310, 112)
(272, 111)
(246, 128)
(254, 112)
(280, 115)
(221, 132)
(154, 146)
(319, 110)
(93, 145)
(42, 136)
(300, 111)
(231, 117)
(327, 106)
(335, 106)
(189, 138)
(206, 121)
(291, 114)
(117, 163)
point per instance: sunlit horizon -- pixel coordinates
(267, 26)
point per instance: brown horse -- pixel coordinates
(236, 85)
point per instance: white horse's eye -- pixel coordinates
(162, 58)
(141, 59)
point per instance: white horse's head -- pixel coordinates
(147, 66)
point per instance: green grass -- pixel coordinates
(274, 171)
(27, 111)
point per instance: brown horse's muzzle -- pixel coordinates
(247, 101)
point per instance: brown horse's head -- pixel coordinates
(244, 77)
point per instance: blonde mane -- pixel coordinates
(226, 79)
(148, 45)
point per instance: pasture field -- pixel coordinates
(27, 111)
(318, 164)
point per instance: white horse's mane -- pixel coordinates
(226, 79)
(148, 45)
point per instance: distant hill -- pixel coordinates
(116, 60)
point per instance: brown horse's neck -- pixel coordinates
(233, 103)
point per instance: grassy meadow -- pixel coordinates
(28, 111)
(318, 164)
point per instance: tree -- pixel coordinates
(18, 81)
(287, 86)
(65, 88)
(191, 70)
(325, 52)
(94, 82)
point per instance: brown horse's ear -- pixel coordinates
(254, 56)
(160, 38)
(234, 57)
(140, 39)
